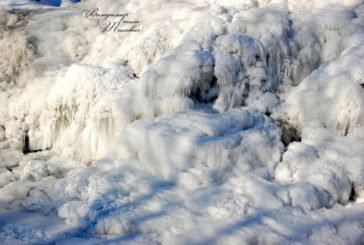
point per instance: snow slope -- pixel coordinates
(220, 122)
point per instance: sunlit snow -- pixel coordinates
(191, 122)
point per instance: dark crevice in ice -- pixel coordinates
(289, 133)
(27, 148)
(353, 195)
(206, 94)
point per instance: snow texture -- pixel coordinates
(220, 122)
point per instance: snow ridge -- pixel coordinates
(175, 134)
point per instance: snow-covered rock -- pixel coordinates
(237, 140)
(175, 134)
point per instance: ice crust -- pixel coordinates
(222, 122)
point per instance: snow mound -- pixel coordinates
(174, 135)
(237, 139)
(332, 97)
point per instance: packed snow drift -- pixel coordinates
(182, 122)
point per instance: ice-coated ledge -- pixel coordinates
(209, 122)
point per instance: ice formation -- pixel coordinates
(221, 122)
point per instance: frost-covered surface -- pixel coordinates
(221, 122)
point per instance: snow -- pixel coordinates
(335, 98)
(221, 122)
(218, 143)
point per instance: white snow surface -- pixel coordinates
(220, 122)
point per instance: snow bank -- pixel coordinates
(174, 134)
(331, 97)
(220, 142)
(236, 60)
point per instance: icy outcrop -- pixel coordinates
(238, 140)
(18, 51)
(174, 134)
(74, 102)
(332, 97)
(234, 61)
